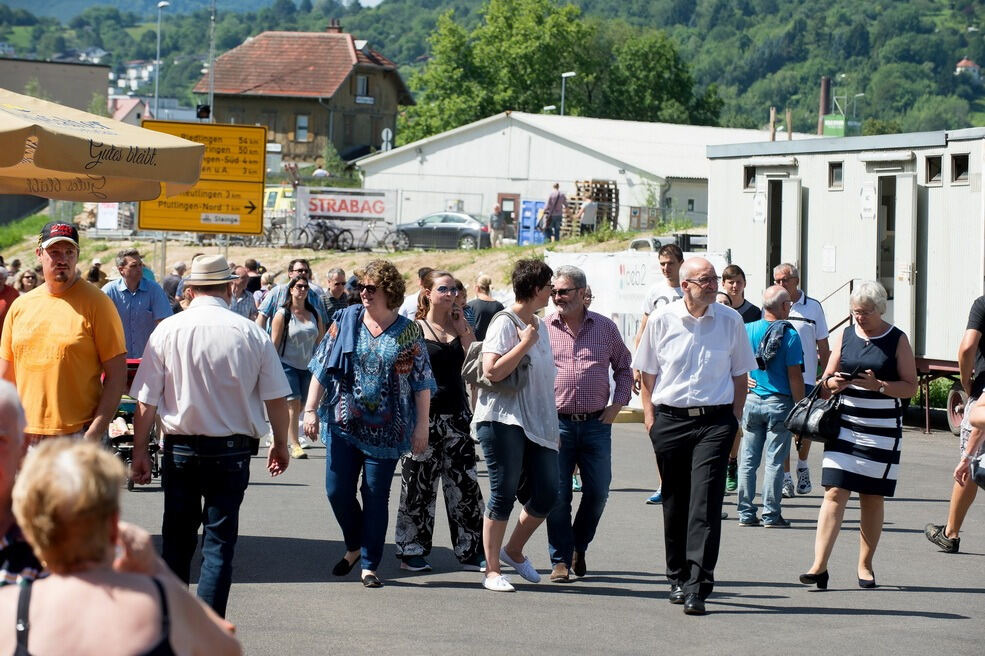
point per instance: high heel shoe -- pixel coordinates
(821, 579)
(343, 567)
(867, 583)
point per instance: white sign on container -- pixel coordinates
(341, 204)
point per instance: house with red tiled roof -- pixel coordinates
(129, 110)
(968, 67)
(309, 89)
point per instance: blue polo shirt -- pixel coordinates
(139, 311)
(774, 380)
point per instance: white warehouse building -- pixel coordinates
(513, 157)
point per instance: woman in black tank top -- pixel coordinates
(450, 455)
(134, 599)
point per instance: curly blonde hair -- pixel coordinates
(385, 275)
(64, 498)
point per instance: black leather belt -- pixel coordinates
(212, 443)
(582, 416)
(700, 411)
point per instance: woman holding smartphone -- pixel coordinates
(450, 454)
(872, 367)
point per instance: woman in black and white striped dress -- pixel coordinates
(872, 365)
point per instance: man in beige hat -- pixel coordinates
(62, 345)
(207, 374)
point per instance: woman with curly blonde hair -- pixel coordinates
(370, 393)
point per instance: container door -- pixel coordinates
(905, 261)
(790, 238)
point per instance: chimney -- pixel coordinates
(824, 105)
(334, 26)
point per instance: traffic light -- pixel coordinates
(203, 111)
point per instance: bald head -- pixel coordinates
(775, 297)
(692, 267)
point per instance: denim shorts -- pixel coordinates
(299, 380)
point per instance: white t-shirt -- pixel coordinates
(409, 307)
(659, 295)
(807, 317)
(589, 212)
(533, 408)
(694, 358)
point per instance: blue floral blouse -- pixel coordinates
(375, 410)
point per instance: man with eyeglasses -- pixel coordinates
(335, 298)
(807, 316)
(586, 346)
(693, 357)
(278, 295)
(242, 300)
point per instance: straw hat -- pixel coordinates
(209, 270)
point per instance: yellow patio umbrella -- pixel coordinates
(57, 152)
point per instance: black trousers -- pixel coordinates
(692, 455)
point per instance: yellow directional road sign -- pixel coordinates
(228, 197)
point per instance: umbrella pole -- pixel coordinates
(162, 267)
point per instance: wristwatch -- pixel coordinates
(882, 387)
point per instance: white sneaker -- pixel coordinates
(803, 480)
(788, 492)
(524, 569)
(497, 584)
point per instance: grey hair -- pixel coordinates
(572, 273)
(870, 293)
(9, 399)
(789, 267)
(774, 297)
(121, 257)
(335, 271)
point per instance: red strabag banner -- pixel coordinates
(341, 204)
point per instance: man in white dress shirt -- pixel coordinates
(693, 357)
(207, 373)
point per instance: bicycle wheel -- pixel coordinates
(298, 238)
(344, 241)
(275, 236)
(389, 241)
(317, 241)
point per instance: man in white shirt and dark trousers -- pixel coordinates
(807, 317)
(208, 373)
(693, 357)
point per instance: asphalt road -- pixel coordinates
(285, 600)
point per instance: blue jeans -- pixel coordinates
(299, 380)
(555, 227)
(518, 469)
(203, 487)
(363, 528)
(763, 430)
(587, 444)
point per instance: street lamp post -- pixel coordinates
(564, 78)
(157, 62)
(854, 101)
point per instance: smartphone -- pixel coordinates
(847, 376)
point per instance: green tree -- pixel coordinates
(880, 126)
(98, 105)
(33, 88)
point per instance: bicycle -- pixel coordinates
(389, 240)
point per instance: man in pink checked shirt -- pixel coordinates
(586, 347)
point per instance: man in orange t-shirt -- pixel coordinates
(58, 341)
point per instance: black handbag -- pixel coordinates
(814, 418)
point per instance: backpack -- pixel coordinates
(472, 367)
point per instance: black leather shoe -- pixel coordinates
(693, 605)
(343, 567)
(676, 594)
(372, 581)
(820, 579)
(867, 583)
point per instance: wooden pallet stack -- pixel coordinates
(605, 193)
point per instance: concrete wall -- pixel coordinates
(65, 83)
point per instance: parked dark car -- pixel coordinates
(444, 230)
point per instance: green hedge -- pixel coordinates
(14, 232)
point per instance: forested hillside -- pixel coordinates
(757, 53)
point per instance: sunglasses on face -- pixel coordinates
(369, 289)
(301, 271)
(301, 287)
(444, 289)
(563, 292)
